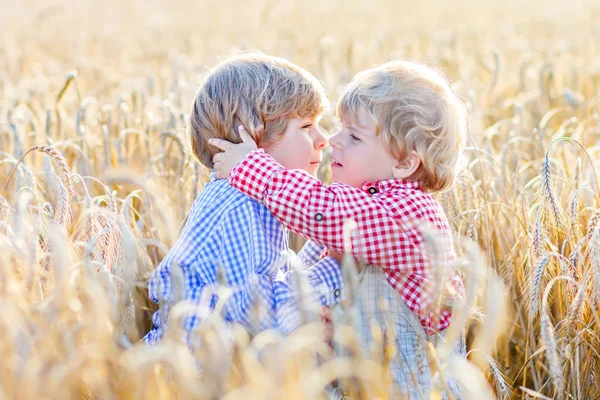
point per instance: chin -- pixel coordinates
(335, 177)
(340, 179)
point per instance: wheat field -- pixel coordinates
(97, 176)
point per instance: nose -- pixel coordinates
(335, 141)
(320, 139)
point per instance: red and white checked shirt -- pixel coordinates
(391, 216)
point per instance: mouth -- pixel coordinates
(335, 163)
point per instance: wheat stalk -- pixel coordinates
(576, 307)
(548, 339)
(548, 192)
(536, 283)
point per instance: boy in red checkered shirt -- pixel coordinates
(403, 131)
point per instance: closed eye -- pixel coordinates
(354, 138)
(306, 126)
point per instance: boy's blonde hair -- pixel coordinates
(255, 90)
(414, 108)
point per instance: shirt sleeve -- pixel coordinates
(326, 280)
(323, 273)
(172, 280)
(318, 212)
(183, 253)
(311, 253)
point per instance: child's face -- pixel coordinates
(301, 145)
(359, 154)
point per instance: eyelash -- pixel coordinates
(307, 126)
(354, 138)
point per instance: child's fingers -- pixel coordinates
(218, 169)
(244, 135)
(220, 143)
(220, 174)
(217, 158)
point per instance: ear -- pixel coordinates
(408, 166)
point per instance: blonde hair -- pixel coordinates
(255, 90)
(414, 108)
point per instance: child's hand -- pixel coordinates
(232, 153)
(337, 256)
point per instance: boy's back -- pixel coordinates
(227, 231)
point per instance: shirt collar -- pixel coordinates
(388, 184)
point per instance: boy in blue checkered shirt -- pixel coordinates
(229, 232)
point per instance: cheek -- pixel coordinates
(299, 153)
(351, 156)
(305, 146)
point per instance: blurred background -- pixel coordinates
(107, 84)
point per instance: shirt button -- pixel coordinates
(319, 217)
(336, 292)
(372, 190)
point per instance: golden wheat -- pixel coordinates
(97, 177)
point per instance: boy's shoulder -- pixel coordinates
(218, 199)
(413, 202)
(221, 188)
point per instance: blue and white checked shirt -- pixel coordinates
(227, 230)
